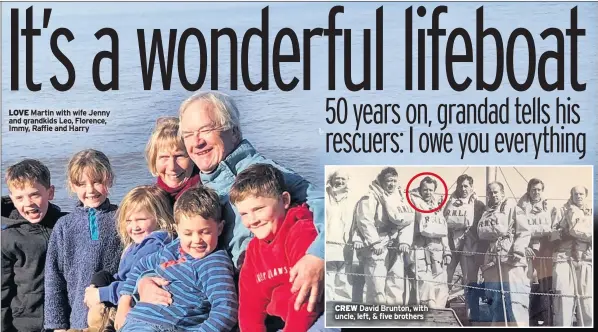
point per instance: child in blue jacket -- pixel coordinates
(145, 225)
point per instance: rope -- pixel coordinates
(550, 199)
(464, 252)
(524, 179)
(507, 182)
(460, 285)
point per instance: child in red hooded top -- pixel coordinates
(282, 237)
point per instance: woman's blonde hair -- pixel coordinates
(164, 137)
(151, 199)
(94, 164)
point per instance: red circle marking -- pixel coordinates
(439, 206)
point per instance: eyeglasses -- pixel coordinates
(202, 132)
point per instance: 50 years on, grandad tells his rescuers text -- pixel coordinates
(80, 120)
(552, 118)
(379, 312)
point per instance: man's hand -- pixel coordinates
(357, 245)
(529, 252)
(446, 260)
(150, 291)
(307, 277)
(404, 248)
(92, 296)
(378, 248)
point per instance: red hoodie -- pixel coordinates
(264, 281)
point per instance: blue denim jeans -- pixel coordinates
(136, 325)
(495, 300)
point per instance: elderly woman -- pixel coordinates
(211, 132)
(339, 216)
(168, 160)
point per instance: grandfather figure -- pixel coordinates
(210, 127)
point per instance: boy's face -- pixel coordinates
(198, 236)
(91, 193)
(32, 200)
(263, 215)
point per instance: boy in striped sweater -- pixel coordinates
(200, 276)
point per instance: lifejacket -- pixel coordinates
(400, 214)
(494, 224)
(432, 225)
(538, 219)
(460, 213)
(580, 223)
(393, 210)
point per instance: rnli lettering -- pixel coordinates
(405, 209)
(458, 213)
(433, 220)
(489, 222)
(537, 220)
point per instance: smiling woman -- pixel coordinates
(167, 159)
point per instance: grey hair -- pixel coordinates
(339, 173)
(225, 109)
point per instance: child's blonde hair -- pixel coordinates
(164, 137)
(94, 164)
(151, 199)
(27, 172)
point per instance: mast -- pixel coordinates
(490, 174)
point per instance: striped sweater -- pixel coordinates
(203, 290)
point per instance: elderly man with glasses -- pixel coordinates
(210, 127)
